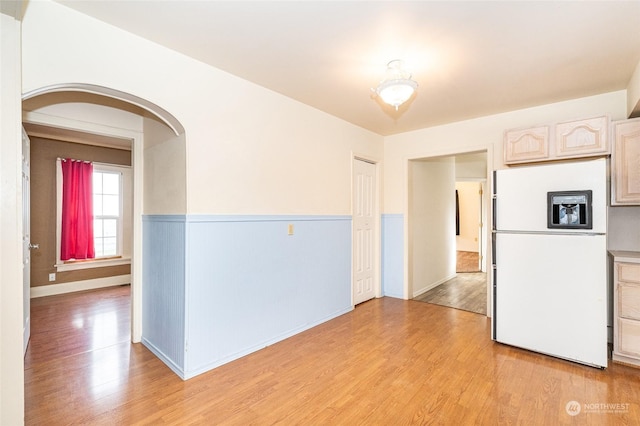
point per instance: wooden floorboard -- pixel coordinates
(467, 291)
(467, 261)
(388, 362)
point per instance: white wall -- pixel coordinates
(241, 139)
(469, 207)
(432, 226)
(11, 289)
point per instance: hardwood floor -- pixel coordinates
(389, 362)
(68, 325)
(467, 291)
(467, 261)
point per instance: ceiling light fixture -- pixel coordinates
(397, 87)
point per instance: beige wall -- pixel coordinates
(165, 185)
(236, 132)
(471, 166)
(469, 202)
(43, 206)
(290, 158)
(481, 134)
(633, 94)
(431, 223)
(475, 135)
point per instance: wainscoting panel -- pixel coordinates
(256, 280)
(163, 288)
(393, 255)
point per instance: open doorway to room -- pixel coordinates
(97, 326)
(447, 217)
(110, 128)
(63, 126)
(469, 225)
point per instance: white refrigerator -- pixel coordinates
(550, 259)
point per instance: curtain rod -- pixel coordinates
(72, 159)
(95, 162)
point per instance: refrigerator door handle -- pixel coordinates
(494, 270)
(494, 287)
(494, 202)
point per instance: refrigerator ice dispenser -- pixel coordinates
(569, 210)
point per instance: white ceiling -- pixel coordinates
(470, 58)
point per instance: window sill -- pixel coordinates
(90, 264)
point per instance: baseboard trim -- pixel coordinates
(433, 285)
(188, 373)
(168, 361)
(53, 289)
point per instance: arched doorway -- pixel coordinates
(67, 125)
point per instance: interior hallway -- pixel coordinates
(389, 361)
(467, 290)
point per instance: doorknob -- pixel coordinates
(34, 246)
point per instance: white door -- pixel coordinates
(26, 239)
(364, 202)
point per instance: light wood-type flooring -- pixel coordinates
(467, 261)
(466, 291)
(388, 362)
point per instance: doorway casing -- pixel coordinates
(407, 284)
(137, 162)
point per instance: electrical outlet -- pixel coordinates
(52, 276)
(290, 229)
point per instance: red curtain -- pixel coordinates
(77, 210)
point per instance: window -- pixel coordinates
(112, 218)
(107, 213)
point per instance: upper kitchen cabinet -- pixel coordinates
(526, 145)
(582, 138)
(570, 139)
(625, 169)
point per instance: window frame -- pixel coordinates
(119, 218)
(123, 256)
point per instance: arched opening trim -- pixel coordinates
(154, 109)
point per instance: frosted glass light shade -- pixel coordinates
(397, 87)
(396, 92)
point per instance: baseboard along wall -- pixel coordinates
(53, 289)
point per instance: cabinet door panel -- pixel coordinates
(626, 163)
(629, 301)
(629, 337)
(628, 272)
(525, 145)
(582, 138)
